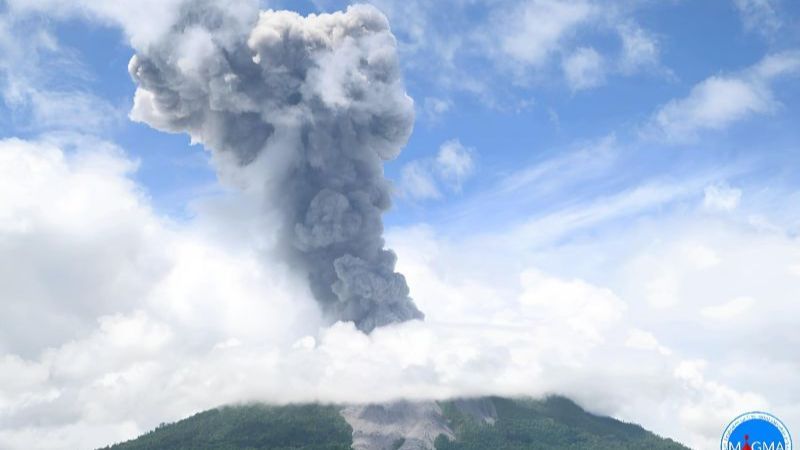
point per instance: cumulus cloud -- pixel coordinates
(534, 34)
(124, 287)
(722, 100)
(523, 40)
(713, 104)
(701, 387)
(134, 331)
(427, 178)
(161, 339)
(526, 41)
(532, 31)
(48, 199)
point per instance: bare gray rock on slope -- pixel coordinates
(411, 425)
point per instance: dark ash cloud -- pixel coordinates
(312, 106)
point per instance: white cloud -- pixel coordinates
(54, 110)
(434, 108)
(60, 209)
(582, 308)
(144, 320)
(699, 256)
(532, 36)
(525, 41)
(425, 178)
(721, 197)
(587, 160)
(713, 403)
(722, 100)
(777, 65)
(640, 49)
(142, 21)
(125, 293)
(661, 290)
(584, 69)
(417, 182)
(734, 309)
(180, 317)
(642, 340)
(696, 258)
(759, 15)
(34, 67)
(454, 163)
(532, 31)
(713, 104)
(603, 210)
(438, 42)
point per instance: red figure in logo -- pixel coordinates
(747, 444)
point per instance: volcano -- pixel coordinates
(496, 423)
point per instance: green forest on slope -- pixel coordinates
(251, 427)
(555, 423)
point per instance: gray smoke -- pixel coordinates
(314, 105)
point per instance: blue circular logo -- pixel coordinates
(756, 431)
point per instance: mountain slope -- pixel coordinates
(555, 423)
(251, 427)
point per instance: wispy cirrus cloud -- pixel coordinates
(40, 82)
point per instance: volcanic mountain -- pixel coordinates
(495, 423)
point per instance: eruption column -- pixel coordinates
(311, 107)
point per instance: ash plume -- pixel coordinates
(313, 106)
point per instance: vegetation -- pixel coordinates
(253, 427)
(553, 424)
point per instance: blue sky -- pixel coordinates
(586, 182)
(510, 114)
